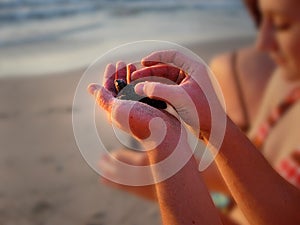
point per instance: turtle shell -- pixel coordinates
(126, 92)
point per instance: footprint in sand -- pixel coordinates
(41, 207)
(97, 219)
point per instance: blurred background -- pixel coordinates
(45, 36)
(45, 46)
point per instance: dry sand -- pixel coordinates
(43, 177)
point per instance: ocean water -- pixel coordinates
(40, 37)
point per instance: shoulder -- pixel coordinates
(249, 62)
(221, 62)
(222, 67)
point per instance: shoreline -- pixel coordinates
(205, 49)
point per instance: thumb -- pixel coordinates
(103, 97)
(175, 95)
(165, 92)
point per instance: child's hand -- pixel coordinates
(194, 95)
(148, 124)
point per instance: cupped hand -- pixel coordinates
(151, 126)
(113, 172)
(192, 95)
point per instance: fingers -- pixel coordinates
(180, 60)
(169, 93)
(130, 69)
(161, 70)
(124, 71)
(130, 157)
(121, 71)
(104, 98)
(115, 174)
(109, 77)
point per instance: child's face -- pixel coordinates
(279, 34)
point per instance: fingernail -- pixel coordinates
(139, 89)
(92, 88)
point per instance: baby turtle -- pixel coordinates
(128, 93)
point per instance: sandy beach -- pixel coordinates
(43, 177)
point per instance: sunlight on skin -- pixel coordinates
(169, 191)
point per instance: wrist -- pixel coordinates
(170, 157)
(174, 138)
(213, 123)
